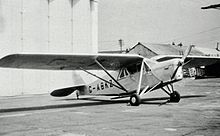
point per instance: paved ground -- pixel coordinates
(197, 114)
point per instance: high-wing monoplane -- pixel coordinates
(132, 76)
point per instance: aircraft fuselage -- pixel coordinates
(151, 76)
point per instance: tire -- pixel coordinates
(175, 97)
(135, 100)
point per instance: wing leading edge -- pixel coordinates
(68, 61)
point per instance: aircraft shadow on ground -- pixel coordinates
(93, 102)
(143, 100)
(159, 99)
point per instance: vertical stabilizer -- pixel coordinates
(77, 79)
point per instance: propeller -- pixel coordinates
(175, 71)
(181, 62)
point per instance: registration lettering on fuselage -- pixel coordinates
(100, 86)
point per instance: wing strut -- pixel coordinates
(103, 68)
(140, 78)
(100, 78)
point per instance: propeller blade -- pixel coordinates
(186, 53)
(174, 73)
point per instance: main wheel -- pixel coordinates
(135, 100)
(175, 97)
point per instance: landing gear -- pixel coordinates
(135, 100)
(77, 94)
(174, 97)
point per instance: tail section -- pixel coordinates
(80, 86)
(77, 79)
(67, 91)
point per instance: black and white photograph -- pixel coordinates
(109, 67)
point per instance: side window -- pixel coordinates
(134, 68)
(126, 72)
(123, 73)
(138, 67)
(147, 68)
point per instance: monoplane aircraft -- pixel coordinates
(133, 75)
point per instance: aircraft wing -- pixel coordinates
(191, 61)
(68, 61)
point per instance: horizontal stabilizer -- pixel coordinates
(67, 91)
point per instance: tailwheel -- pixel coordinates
(77, 94)
(135, 100)
(174, 97)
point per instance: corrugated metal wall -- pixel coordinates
(62, 26)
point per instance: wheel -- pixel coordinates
(135, 100)
(175, 97)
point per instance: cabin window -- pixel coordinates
(134, 68)
(146, 68)
(123, 73)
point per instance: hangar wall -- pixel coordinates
(55, 26)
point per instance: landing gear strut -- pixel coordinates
(174, 95)
(135, 100)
